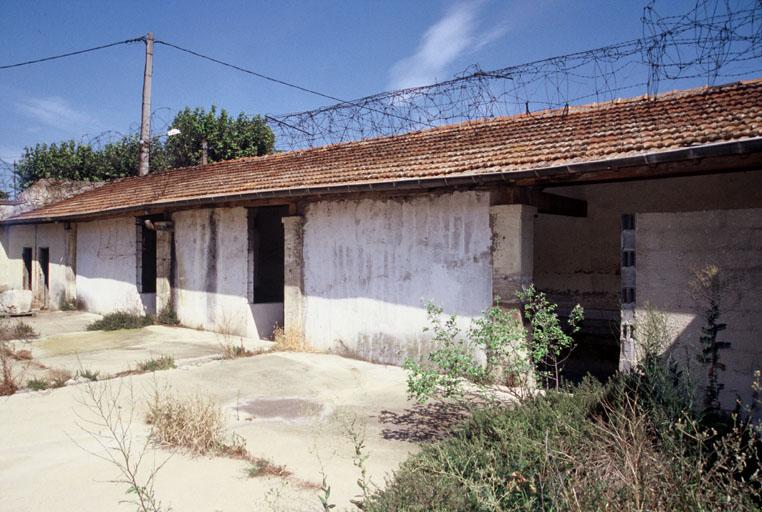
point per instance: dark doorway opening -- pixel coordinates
(266, 250)
(26, 257)
(148, 260)
(43, 257)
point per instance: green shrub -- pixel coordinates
(165, 362)
(167, 316)
(120, 320)
(37, 384)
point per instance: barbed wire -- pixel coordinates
(716, 40)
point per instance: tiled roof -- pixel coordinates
(508, 144)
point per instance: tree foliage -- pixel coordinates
(227, 137)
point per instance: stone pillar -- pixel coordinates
(512, 228)
(70, 265)
(164, 239)
(293, 275)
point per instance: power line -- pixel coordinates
(70, 54)
(279, 81)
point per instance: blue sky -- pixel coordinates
(347, 49)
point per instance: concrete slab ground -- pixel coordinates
(291, 408)
(64, 343)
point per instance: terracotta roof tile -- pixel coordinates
(507, 144)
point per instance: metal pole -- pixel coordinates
(145, 122)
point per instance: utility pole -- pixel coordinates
(145, 122)
(204, 151)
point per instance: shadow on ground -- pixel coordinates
(423, 422)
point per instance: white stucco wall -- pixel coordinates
(669, 247)
(107, 266)
(370, 266)
(51, 236)
(211, 247)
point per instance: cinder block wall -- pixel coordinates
(669, 248)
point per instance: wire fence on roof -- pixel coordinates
(716, 41)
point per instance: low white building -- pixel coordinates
(610, 205)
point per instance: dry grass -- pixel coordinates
(58, 377)
(290, 340)
(265, 467)
(18, 330)
(195, 424)
(232, 351)
(9, 379)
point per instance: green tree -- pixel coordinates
(227, 137)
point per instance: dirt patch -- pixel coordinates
(281, 408)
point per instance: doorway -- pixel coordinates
(43, 293)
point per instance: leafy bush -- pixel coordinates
(165, 362)
(513, 356)
(120, 320)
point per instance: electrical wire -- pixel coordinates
(70, 54)
(282, 82)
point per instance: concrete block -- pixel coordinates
(14, 302)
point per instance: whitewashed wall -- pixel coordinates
(51, 236)
(211, 247)
(107, 266)
(370, 266)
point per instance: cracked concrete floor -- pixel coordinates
(290, 408)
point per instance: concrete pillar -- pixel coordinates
(164, 241)
(70, 264)
(512, 228)
(293, 273)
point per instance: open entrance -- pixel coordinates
(26, 257)
(148, 260)
(43, 294)
(265, 230)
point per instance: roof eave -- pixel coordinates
(558, 174)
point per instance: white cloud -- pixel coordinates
(56, 112)
(457, 33)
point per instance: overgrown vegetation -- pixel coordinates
(513, 355)
(638, 442)
(120, 320)
(165, 362)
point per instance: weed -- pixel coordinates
(230, 351)
(195, 424)
(67, 304)
(325, 495)
(264, 467)
(59, 377)
(165, 362)
(91, 375)
(107, 420)
(24, 331)
(290, 340)
(120, 320)
(9, 379)
(37, 384)
(167, 316)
